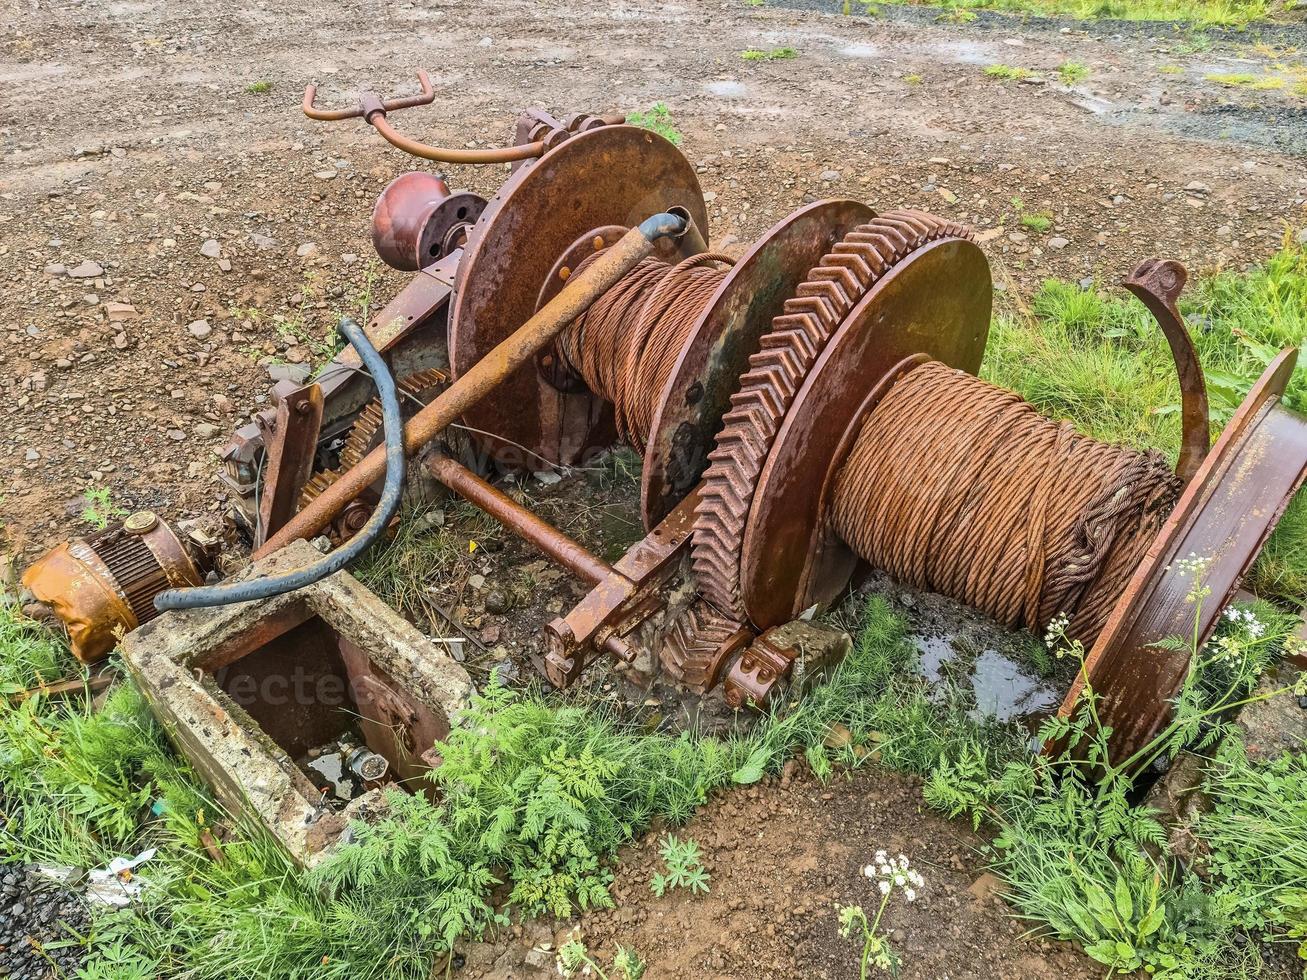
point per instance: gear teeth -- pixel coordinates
(365, 432)
(776, 372)
(698, 645)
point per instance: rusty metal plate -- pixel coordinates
(613, 175)
(699, 390)
(936, 302)
(1225, 515)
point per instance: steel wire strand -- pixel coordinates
(959, 487)
(627, 344)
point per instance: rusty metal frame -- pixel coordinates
(288, 461)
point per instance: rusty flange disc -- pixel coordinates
(613, 175)
(699, 390)
(1223, 517)
(937, 303)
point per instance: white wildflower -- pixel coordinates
(884, 887)
(909, 894)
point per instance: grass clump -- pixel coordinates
(1253, 82)
(1197, 13)
(774, 54)
(658, 120)
(1039, 221)
(1072, 72)
(1008, 73)
(259, 88)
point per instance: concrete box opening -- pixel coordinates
(301, 710)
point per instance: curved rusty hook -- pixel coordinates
(1157, 283)
(372, 109)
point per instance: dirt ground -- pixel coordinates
(149, 199)
(129, 139)
(783, 857)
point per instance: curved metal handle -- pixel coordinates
(1158, 283)
(368, 103)
(372, 109)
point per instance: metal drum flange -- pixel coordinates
(788, 560)
(727, 333)
(613, 175)
(1223, 518)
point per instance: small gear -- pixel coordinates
(699, 644)
(776, 372)
(415, 390)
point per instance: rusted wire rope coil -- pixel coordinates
(627, 344)
(962, 488)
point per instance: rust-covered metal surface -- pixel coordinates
(1223, 517)
(292, 444)
(417, 220)
(105, 584)
(1158, 283)
(610, 175)
(530, 528)
(619, 602)
(786, 565)
(708, 369)
(486, 375)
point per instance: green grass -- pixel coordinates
(658, 120)
(536, 797)
(1037, 221)
(259, 88)
(1199, 13)
(774, 54)
(1254, 82)
(1008, 73)
(1072, 72)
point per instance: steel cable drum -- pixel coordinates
(612, 175)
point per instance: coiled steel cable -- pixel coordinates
(962, 488)
(627, 344)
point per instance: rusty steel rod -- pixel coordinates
(444, 154)
(506, 357)
(567, 552)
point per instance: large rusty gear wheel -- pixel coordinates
(415, 390)
(776, 372)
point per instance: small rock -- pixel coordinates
(1018, 237)
(1197, 187)
(56, 269)
(298, 373)
(224, 265)
(119, 312)
(830, 175)
(497, 602)
(262, 241)
(176, 435)
(1058, 242)
(307, 249)
(199, 329)
(325, 174)
(947, 195)
(211, 249)
(86, 270)
(206, 430)
(476, 581)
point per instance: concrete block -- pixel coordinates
(248, 691)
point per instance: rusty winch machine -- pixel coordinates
(804, 407)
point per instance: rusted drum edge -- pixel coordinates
(699, 389)
(1223, 517)
(613, 175)
(786, 563)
